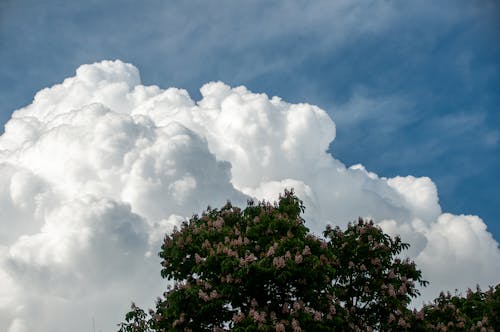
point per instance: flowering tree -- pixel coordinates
(259, 269)
(477, 311)
(373, 285)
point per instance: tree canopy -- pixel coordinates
(260, 269)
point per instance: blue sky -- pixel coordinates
(413, 89)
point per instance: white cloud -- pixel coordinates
(97, 168)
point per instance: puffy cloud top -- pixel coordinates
(99, 167)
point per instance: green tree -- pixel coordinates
(374, 285)
(477, 311)
(260, 269)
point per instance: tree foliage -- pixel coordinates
(260, 269)
(374, 285)
(477, 311)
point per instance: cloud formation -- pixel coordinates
(99, 167)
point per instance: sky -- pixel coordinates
(384, 110)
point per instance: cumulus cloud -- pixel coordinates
(99, 167)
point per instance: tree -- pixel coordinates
(260, 269)
(374, 286)
(477, 311)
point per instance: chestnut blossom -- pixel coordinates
(392, 292)
(206, 244)
(280, 327)
(218, 223)
(204, 296)
(402, 289)
(271, 251)
(238, 317)
(197, 258)
(296, 306)
(332, 311)
(250, 258)
(279, 262)
(295, 326)
(214, 295)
